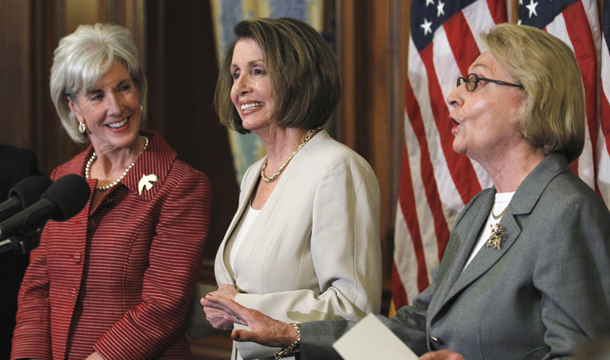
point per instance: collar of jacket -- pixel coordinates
(452, 276)
(533, 185)
(157, 159)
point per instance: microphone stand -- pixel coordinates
(23, 243)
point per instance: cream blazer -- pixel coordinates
(314, 250)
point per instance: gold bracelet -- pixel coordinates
(292, 348)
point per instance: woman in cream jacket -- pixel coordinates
(304, 243)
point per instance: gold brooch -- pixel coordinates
(495, 240)
(146, 181)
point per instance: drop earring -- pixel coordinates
(81, 127)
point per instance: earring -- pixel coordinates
(81, 127)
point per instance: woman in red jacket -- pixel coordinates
(115, 281)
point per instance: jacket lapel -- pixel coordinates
(250, 181)
(151, 168)
(488, 256)
(264, 231)
(522, 204)
(465, 234)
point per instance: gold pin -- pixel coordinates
(495, 240)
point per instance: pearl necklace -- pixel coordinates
(94, 156)
(279, 171)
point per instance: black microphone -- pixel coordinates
(24, 194)
(65, 198)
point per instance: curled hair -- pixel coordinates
(82, 58)
(554, 118)
(303, 70)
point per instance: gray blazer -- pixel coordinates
(543, 294)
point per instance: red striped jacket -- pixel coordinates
(118, 278)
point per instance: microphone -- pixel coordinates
(24, 194)
(65, 198)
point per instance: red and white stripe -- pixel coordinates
(435, 182)
(603, 143)
(578, 27)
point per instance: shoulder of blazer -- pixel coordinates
(537, 182)
(326, 154)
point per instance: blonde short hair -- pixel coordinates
(554, 118)
(82, 58)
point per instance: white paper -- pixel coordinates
(371, 339)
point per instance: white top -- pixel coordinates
(246, 223)
(501, 203)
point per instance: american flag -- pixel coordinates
(435, 182)
(576, 23)
(603, 146)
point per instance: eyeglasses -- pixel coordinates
(472, 81)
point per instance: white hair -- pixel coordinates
(82, 58)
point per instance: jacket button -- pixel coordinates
(436, 340)
(77, 257)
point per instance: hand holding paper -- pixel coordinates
(371, 339)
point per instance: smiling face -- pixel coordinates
(111, 110)
(251, 93)
(486, 121)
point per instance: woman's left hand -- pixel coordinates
(218, 317)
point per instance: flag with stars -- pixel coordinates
(576, 22)
(435, 182)
(604, 139)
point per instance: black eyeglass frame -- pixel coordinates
(464, 80)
